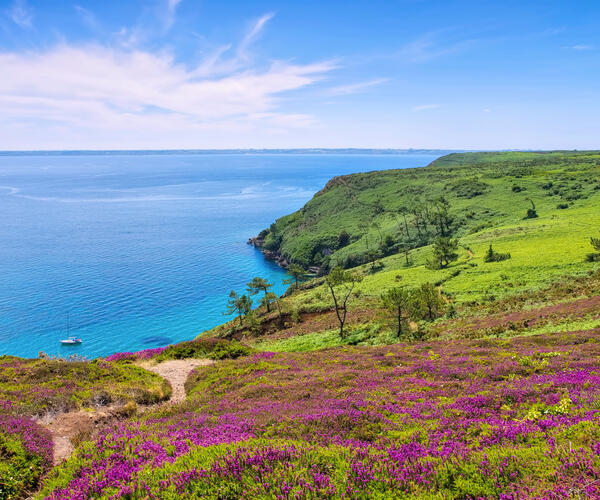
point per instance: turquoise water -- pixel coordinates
(139, 251)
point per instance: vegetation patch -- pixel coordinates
(39, 386)
(25, 455)
(488, 418)
(202, 347)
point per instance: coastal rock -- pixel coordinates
(258, 242)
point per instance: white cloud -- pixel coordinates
(87, 17)
(429, 47)
(582, 47)
(135, 92)
(171, 6)
(424, 107)
(21, 14)
(355, 88)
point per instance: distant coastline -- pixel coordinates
(296, 151)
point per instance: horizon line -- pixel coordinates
(309, 150)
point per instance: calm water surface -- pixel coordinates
(142, 250)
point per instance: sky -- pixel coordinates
(194, 74)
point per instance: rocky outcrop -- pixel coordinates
(258, 242)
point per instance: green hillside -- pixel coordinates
(384, 212)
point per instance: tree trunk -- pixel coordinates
(279, 310)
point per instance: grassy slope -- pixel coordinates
(355, 202)
(38, 386)
(546, 251)
(510, 419)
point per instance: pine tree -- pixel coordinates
(397, 302)
(241, 305)
(490, 255)
(295, 273)
(258, 285)
(444, 251)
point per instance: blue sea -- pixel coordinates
(134, 251)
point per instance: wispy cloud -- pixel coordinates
(228, 58)
(430, 46)
(424, 107)
(21, 14)
(118, 90)
(171, 6)
(87, 17)
(252, 34)
(356, 88)
(582, 47)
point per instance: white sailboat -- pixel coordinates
(70, 340)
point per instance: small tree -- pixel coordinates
(397, 302)
(489, 255)
(531, 212)
(343, 239)
(444, 252)
(429, 302)
(595, 256)
(241, 305)
(388, 244)
(295, 273)
(492, 256)
(268, 299)
(371, 253)
(341, 283)
(271, 298)
(258, 285)
(405, 249)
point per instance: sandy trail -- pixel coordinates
(176, 371)
(64, 427)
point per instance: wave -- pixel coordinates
(11, 190)
(249, 192)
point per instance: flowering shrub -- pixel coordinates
(202, 347)
(38, 386)
(25, 455)
(506, 419)
(135, 356)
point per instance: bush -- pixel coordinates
(40, 386)
(343, 239)
(592, 257)
(531, 213)
(206, 347)
(25, 456)
(469, 188)
(492, 256)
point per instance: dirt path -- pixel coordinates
(67, 427)
(176, 372)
